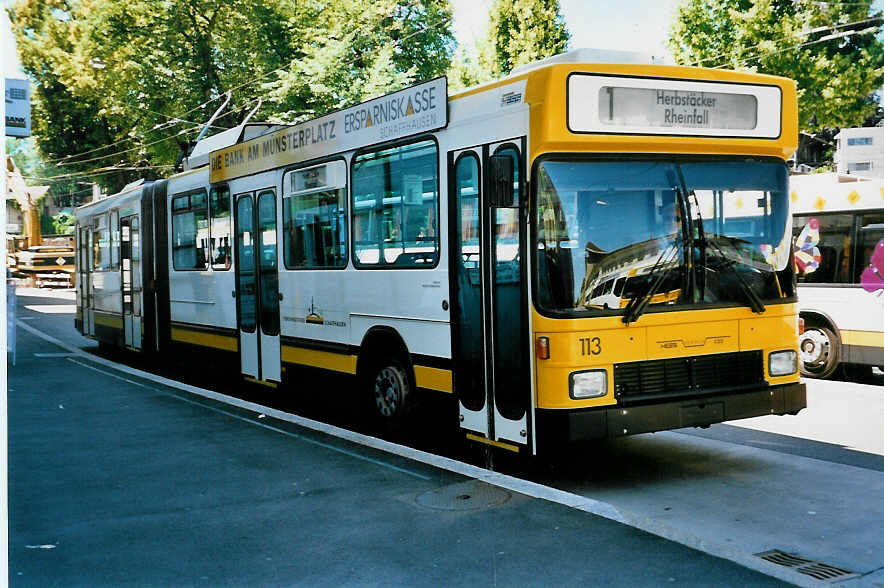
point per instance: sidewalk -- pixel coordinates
(115, 480)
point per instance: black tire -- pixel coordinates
(391, 392)
(820, 350)
(858, 372)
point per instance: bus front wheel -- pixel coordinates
(820, 352)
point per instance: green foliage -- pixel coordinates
(837, 77)
(131, 79)
(523, 31)
(519, 32)
(63, 191)
(62, 224)
(364, 49)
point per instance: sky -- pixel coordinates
(628, 25)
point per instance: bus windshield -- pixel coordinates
(608, 233)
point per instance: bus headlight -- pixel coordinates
(588, 384)
(782, 363)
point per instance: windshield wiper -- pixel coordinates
(726, 262)
(637, 305)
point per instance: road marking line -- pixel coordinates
(530, 489)
(52, 308)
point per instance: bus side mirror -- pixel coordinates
(502, 175)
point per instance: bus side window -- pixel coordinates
(115, 239)
(871, 232)
(190, 231)
(219, 227)
(395, 206)
(101, 243)
(314, 216)
(832, 241)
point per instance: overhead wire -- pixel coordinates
(879, 19)
(841, 35)
(177, 119)
(95, 172)
(128, 138)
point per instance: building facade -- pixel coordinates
(860, 152)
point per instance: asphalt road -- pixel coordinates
(809, 485)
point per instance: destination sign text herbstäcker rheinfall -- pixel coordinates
(699, 103)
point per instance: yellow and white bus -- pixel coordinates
(427, 243)
(839, 258)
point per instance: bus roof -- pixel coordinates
(601, 107)
(833, 192)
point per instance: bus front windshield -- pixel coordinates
(661, 234)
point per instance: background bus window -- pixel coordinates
(101, 244)
(219, 209)
(395, 206)
(314, 213)
(115, 239)
(823, 245)
(871, 232)
(190, 231)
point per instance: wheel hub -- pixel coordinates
(814, 347)
(387, 392)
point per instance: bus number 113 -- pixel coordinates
(590, 346)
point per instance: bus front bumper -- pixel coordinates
(618, 421)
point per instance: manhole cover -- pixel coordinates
(469, 495)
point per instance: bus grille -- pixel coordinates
(688, 376)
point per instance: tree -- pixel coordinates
(131, 81)
(523, 31)
(830, 49)
(367, 48)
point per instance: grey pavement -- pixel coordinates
(115, 480)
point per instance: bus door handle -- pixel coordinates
(233, 293)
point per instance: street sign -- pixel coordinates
(18, 108)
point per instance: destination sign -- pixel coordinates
(601, 104)
(418, 109)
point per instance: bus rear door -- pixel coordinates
(257, 285)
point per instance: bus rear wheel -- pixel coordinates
(820, 351)
(391, 392)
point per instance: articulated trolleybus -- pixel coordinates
(456, 244)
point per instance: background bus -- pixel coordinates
(839, 256)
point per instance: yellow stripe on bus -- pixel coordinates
(106, 320)
(320, 359)
(500, 444)
(433, 378)
(863, 338)
(205, 339)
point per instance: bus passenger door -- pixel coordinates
(84, 281)
(130, 268)
(257, 285)
(489, 300)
